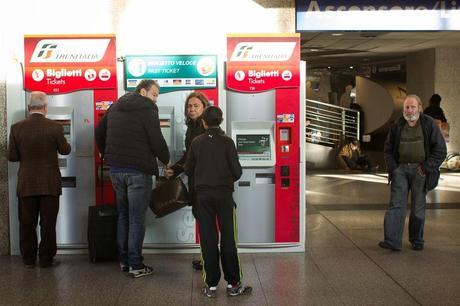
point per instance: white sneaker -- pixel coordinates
(146, 270)
(210, 292)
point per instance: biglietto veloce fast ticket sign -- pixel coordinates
(60, 64)
(172, 72)
(258, 63)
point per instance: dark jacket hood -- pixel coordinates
(215, 131)
(133, 101)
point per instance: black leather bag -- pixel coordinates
(169, 196)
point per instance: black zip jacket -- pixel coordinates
(435, 149)
(213, 161)
(129, 135)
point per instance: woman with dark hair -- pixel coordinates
(195, 104)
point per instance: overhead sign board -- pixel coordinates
(64, 63)
(258, 63)
(389, 15)
(172, 72)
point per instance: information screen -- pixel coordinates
(253, 146)
(66, 126)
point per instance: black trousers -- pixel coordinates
(30, 208)
(211, 204)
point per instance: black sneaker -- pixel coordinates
(135, 273)
(197, 265)
(238, 289)
(385, 245)
(209, 292)
(417, 246)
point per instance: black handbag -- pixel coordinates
(169, 196)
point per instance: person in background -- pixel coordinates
(213, 161)
(130, 139)
(34, 142)
(434, 109)
(353, 158)
(345, 98)
(413, 151)
(195, 104)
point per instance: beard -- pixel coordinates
(413, 117)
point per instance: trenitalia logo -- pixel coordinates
(46, 51)
(262, 51)
(69, 50)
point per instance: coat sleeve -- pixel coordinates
(63, 146)
(234, 161)
(155, 137)
(13, 152)
(100, 134)
(438, 150)
(178, 167)
(190, 162)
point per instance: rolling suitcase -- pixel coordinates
(102, 230)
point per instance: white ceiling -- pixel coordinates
(322, 49)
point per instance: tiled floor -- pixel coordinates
(342, 264)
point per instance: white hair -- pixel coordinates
(38, 100)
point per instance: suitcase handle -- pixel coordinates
(103, 213)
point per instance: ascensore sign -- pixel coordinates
(389, 15)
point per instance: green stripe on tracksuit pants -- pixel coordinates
(211, 204)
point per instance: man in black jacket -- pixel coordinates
(414, 150)
(130, 139)
(213, 161)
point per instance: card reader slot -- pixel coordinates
(265, 178)
(244, 183)
(69, 181)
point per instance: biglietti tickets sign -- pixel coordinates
(61, 64)
(258, 63)
(172, 72)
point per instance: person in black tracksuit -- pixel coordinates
(213, 162)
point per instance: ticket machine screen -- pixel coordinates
(165, 125)
(253, 147)
(66, 124)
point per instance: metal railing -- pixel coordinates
(329, 124)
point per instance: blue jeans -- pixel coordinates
(132, 197)
(406, 178)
